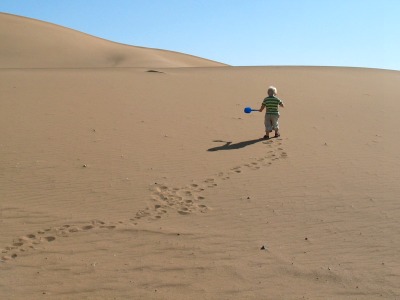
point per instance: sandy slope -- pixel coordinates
(29, 43)
(123, 183)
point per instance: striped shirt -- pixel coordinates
(271, 104)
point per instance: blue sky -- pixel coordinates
(357, 33)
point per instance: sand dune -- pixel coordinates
(29, 43)
(128, 184)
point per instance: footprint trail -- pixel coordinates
(164, 200)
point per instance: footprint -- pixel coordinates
(87, 227)
(49, 238)
(73, 229)
(141, 213)
(108, 226)
(210, 182)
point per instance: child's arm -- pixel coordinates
(261, 108)
(281, 104)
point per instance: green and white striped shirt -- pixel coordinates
(271, 103)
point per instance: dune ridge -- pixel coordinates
(30, 43)
(123, 183)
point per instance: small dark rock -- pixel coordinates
(154, 71)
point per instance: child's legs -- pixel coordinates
(275, 123)
(268, 123)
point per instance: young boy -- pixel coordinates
(271, 103)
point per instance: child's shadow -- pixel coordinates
(231, 146)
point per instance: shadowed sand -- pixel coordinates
(115, 180)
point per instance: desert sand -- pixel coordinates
(133, 173)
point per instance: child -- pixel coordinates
(271, 104)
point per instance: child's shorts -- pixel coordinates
(271, 122)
